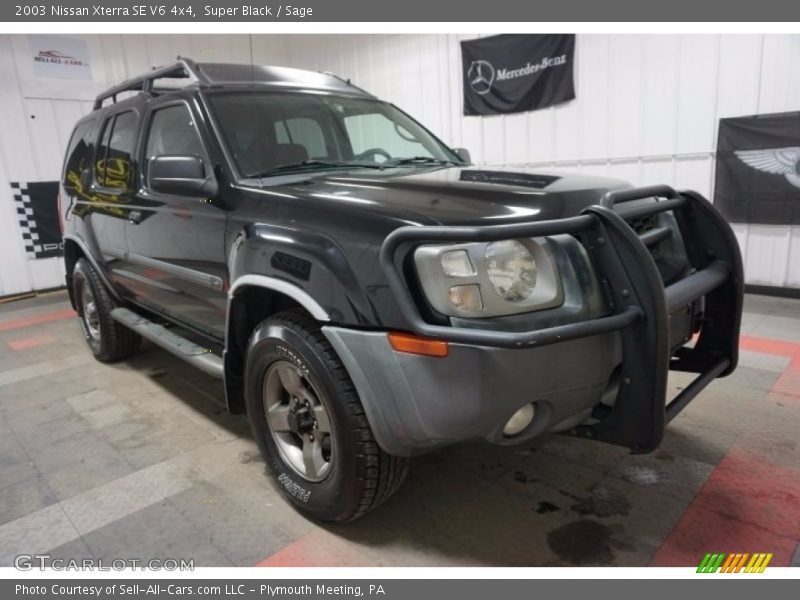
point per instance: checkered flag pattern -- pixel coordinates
(36, 236)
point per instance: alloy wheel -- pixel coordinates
(298, 420)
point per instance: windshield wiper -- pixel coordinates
(312, 164)
(417, 160)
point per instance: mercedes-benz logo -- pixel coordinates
(480, 76)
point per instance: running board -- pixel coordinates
(200, 357)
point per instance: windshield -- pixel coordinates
(270, 133)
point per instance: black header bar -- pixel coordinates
(256, 11)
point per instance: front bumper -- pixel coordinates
(642, 319)
(417, 403)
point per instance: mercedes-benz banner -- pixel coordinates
(515, 73)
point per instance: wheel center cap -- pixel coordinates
(301, 421)
(292, 421)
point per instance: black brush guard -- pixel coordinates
(641, 304)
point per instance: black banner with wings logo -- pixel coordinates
(758, 169)
(514, 73)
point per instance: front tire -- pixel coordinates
(317, 443)
(108, 340)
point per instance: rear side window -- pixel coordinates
(114, 162)
(78, 157)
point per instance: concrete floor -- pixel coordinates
(140, 460)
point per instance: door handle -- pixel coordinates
(135, 217)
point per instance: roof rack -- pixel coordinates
(184, 68)
(345, 80)
(221, 74)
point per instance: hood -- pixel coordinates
(456, 195)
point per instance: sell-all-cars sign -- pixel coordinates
(515, 73)
(60, 57)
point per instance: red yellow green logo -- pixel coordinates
(734, 563)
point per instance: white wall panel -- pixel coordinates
(698, 62)
(739, 75)
(780, 77)
(793, 262)
(17, 165)
(659, 94)
(767, 254)
(593, 90)
(516, 136)
(566, 123)
(694, 173)
(494, 139)
(624, 73)
(627, 170)
(646, 110)
(541, 135)
(657, 169)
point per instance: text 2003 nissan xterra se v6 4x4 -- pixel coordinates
(366, 293)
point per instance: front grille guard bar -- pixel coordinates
(641, 304)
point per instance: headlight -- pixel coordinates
(489, 279)
(511, 270)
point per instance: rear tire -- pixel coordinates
(108, 340)
(347, 474)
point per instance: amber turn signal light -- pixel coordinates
(412, 344)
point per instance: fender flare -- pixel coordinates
(87, 253)
(233, 359)
(284, 287)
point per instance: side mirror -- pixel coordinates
(463, 154)
(180, 176)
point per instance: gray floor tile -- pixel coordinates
(35, 533)
(86, 473)
(766, 362)
(765, 305)
(41, 437)
(75, 550)
(53, 455)
(778, 327)
(247, 534)
(24, 497)
(107, 503)
(158, 531)
(15, 464)
(40, 303)
(664, 472)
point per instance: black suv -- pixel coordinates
(366, 293)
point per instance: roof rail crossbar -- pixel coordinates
(143, 83)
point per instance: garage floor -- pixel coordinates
(140, 460)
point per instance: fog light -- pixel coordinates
(519, 421)
(467, 297)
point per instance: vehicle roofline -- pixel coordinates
(199, 78)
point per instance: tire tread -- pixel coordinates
(120, 342)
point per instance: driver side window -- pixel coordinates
(172, 133)
(374, 130)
